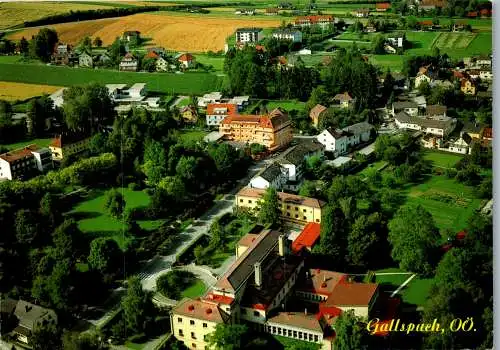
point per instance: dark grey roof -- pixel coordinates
(7, 305)
(286, 31)
(271, 172)
(435, 110)
(443, 123)
(336, 133)
(474, 128)
(403, 117)
(297, 154)
(359, 128)
(404, 104)
(29, 314)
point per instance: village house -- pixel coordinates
(397, 41)
(468, 86)
(85, 60)
(432, 4)
(344, 100)
(249, 35)
(484, 61)
(216, 112)
(361, 13)
(240, 101)
(245, 12)
(472, 129)
(461, 145)
(382, 6)
(437, 126)
(186, 60)
(410, 107)
(459, 26)
(129, 63)
(131, 36)
(273, 130)
(24, 162)
(307, 238)
(28, 317)
(435, 111)
(427, 25)
(66, 145)
(292, 35)
(61, 54)
(323, 21)
(315, 114)
(274, 176)
(189, 114)
(389, 49)
(426, 74)
(338, 141)
(485, 74)
(213, 97)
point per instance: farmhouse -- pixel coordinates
(129, 63)
(315, 114)
(432, 4)
(486, 75)
(361, 13)
(216, 112)
(265, 272)
(131, 36)
(320, 20)
(66, 145)
(292, 35)
(426, 74)
(344, 100)
(273, 131)
(61, 54)
(397, 40)
(273, 176)
(461, 145)
(85, 60)
(248, 35)
(186, 60)
(382, 6)
(24, 162)
(246, 12)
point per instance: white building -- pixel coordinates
(57, 97)
(305, 52)
(436, 126)
(288, 34)
(486, 74)
(273, 176)
(216, 112)
(213, 97)
(339, 140)
(21, 163)
(161, 64)
(248, 35)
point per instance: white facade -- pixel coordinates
(294, 36)
(421, 78)
(305, 52)
(252, 35)
(5, 172)
(213, 97)
(43, 159)
(161, 65)
(486, 75)
(332, 144)
(404, 125)
(277, 182)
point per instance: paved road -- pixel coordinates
(160, 265)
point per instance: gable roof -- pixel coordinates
(201, 309)
(352, 294)
(342, 97)
(359, 128)
(317, 110)
(18, 154)
(320, 281)
(231, 108)
(185, 57)
(335, 133)
(284, 197)
(436, 110)
(307, 238)
(29, 314)
(297, 319)
(152, 54)
(404, 104)
(383, 5)
(271, 172)
(296, 155)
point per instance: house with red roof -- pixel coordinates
(307, 238)
(319, 20)
(186, 60)
(382, 6)
(217, 112)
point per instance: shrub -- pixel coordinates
(133, 186)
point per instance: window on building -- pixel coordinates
(205, 325)
(296, 208)
(241, 200)
(310, 337)
(274, 329)
(304, 217)
(256, 313)
(287, 214)
(296, 216)
(295, 334)
(279, 330)
(249, 201)
(179, 319)
(289, 332)
(317, 220)
(288, 207)
(193, 345)
(191, 323)
(181, 334)
(315, 338)
(300, 335)
(304, 210)
(193, 336)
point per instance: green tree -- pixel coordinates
(308, 189)
(42, 45)
(363, 240)
(46, 337)
(155, 162)
(351, 333)
(86, 44)
(49, 209)
(333, 239)
(98, 143)
(187, 168)
(39, 110)
(27, 228)
(269, 207)
(24, 46)
(83, 341)
(137, 307)
(174, 187)
(114, 203)
(227, 337)
(104, 255)
(378, 44)
(414, 238)
(149, 64)
(97, 41)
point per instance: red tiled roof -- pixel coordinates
(307, 237)
(317, 110)
(217, 298)
(152, 54)
(247, 239)
(200, 309)
(426, 23)
(383, 5)
(352, 294)
(185, 57)
(472, 14)
(485, 12)
(231, 108)
(17, 154)
(260, 48)
(488, 133)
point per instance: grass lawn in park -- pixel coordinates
(93, 219)
(192, 137)
(442, 159)
(167, 83)
(184, 102)
(195, 290)
(17, 145)
(215, 61)
(450, 202)
(417, 291)
(287, 105)
(394, 62)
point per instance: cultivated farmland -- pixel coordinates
(18, 91)
(454, 40)
(166, 83)
(182, 33)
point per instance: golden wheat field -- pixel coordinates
(182, 33)
(12, 13)
(19, 91)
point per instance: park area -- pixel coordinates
(93, 219)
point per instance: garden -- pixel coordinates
(178, 284)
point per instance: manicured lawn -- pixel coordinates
(188, 83)
(450, 203)
(93, 218)
(215, 61)
(38, 142)
(287, 105)
(192, 137)
(442, 159)
(184, 102)
(394, 62)
(195, 290)
(417, 291)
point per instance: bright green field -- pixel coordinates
(417, 291)
(192, 137)
(195, 290)
(95, 220)
(215, 61)
(287, 105)
(38, 142)
(394, 62)
(442, 160)
(452, 215)
(188, 83)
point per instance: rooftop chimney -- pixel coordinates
(258, 274)
(305, 311)
(282, 245)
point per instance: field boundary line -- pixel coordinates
(434, 41)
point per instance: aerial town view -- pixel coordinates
(235, 174)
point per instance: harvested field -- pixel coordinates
(12, 13)
(19, 91)
(454, 40)
(181, 33)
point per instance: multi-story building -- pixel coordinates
(320, 20)
(216, 112)
(248, 35)
(298, 209)
(255, 291)
(343, 100)
(129, 63)
(292, 35)
(85, 60)
(273, 131)
(338, 141)
(24, 162)
(273, 176)
(67, 145)
(441, 126)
